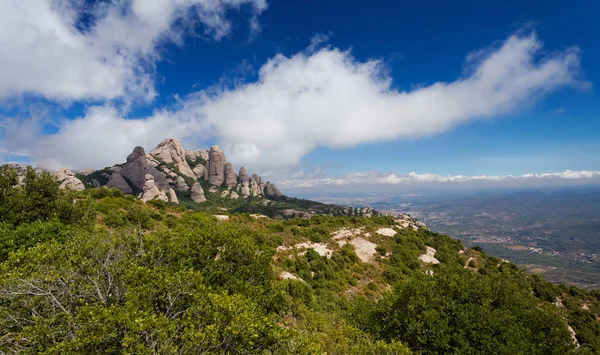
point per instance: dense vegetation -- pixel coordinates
(101, 273)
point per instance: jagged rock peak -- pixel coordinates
(216, 166)
(244, 178)
(230, 178)
(171, 151)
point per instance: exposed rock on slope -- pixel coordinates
(197, 193)
(216, 166)
(230, 178)
(171, 151)
(67, 178)
(150, 191)
(272, 191)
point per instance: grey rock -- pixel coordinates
(230, 178)
(271, 190)
(224, 193)
(116, 181)
(216, 166)
(200, 171)
(150, 191)
(173, 197)
(254, 188)
(197, 193)
(244, 178)
(189, 155)
(213, 189)
(134, 169)
(87, 171)
(180, 184)
(201, 154)
(233, 195)
(67, 178)
(171, 151)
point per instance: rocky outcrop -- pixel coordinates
(230, 178)
(244, 178)
(271, 190)
(180, 184)
(67, 178)
(203, 154)
(87, 171)
(189, 155)
(216, 166)
(234, 195)
(134, 169)
(245, 191)
(197, 193)
(118, 182)
(150, 191)
(173, 197)
(254, 188)
(200, 171)
(171, 151)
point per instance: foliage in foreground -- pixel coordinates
(110, 274)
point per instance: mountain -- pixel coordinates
(98, 271)
(202, 180)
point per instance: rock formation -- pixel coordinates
(230, 178)
(173, 197)
(197, 193)
(244, 178)
(201, 154)
(272, 191)
(134, 169)
(199, 170)
(150, 191)
(216, 166)
(180, 184)
(67, 178)
(87, 171)
(118, 182)
(171, 151)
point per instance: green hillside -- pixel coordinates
(98, 272)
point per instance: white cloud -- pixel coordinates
(378, 178)
(43, 52)
(322, 97)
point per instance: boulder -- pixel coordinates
(271, 190)
(171, 151)
(197, 193)
(233, 195)
(200, 171)
(173, 197)
(213, 189)
(244, 178)
(216, 166)
(150, 191)
(224, 193)
(180, 184)
(87, 171)
(116, 181)
(230, 178)
(134, 169)
(67, 178)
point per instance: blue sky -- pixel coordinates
(305, 90)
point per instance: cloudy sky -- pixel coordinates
(308, 93)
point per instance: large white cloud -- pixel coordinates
(321, 97)
(46, 51)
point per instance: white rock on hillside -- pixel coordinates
(67, 178)
(150, 191)
(171, 151)
(429, 256)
